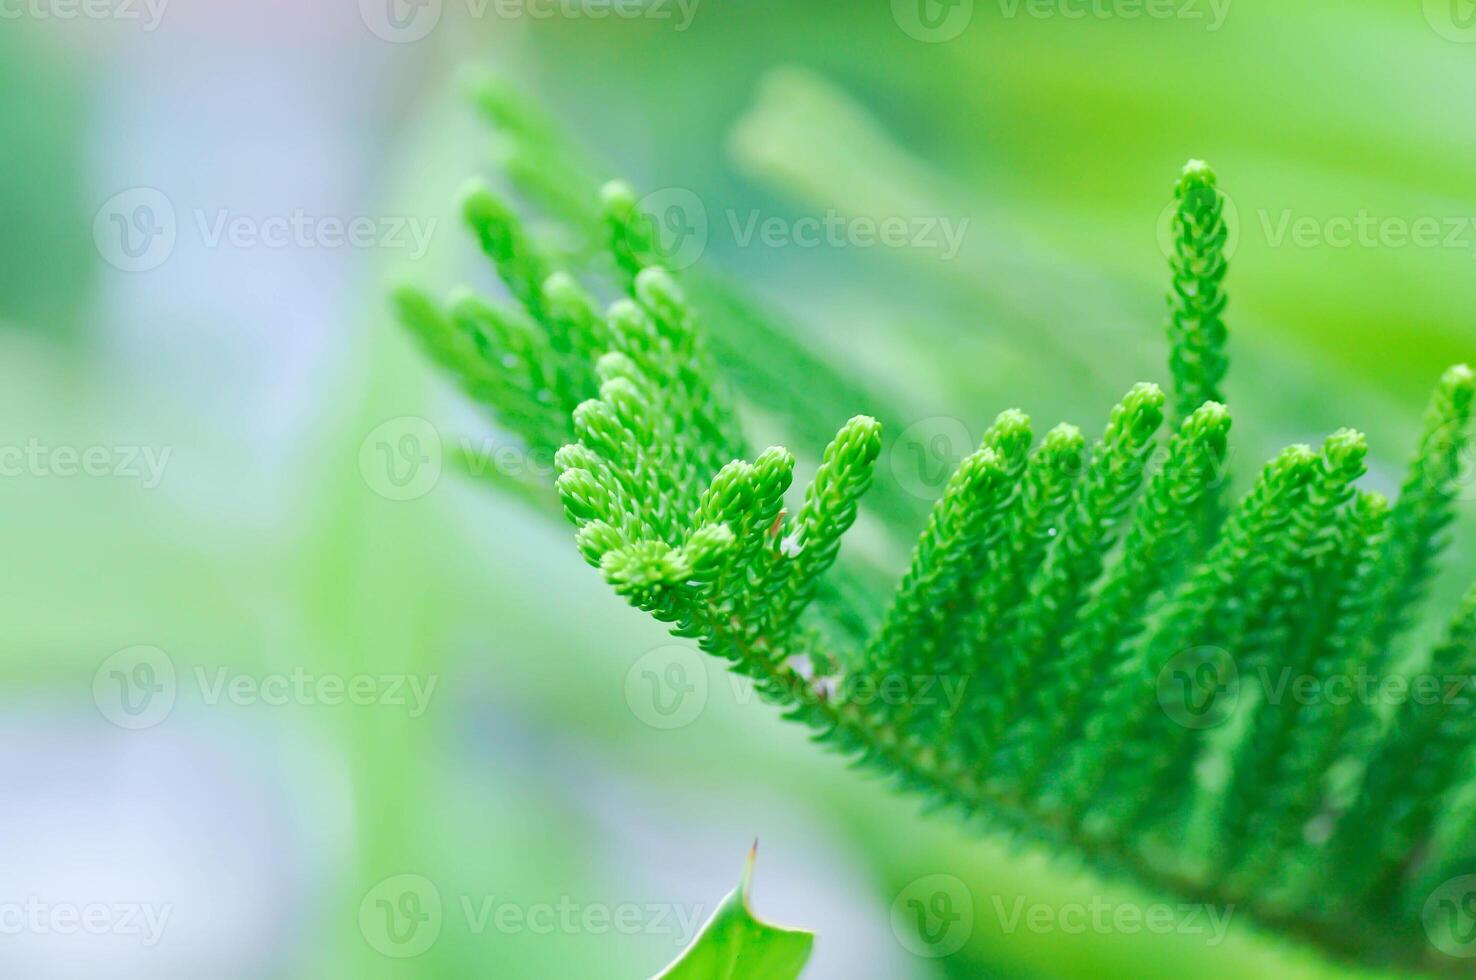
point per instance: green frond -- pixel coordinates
(1423, 510)
(1164, 516)
(1422, 756)
(1290, 632)
(1075, 558)
(1196, 325)
(521, 265)
(1134, 750)
(1092, 612)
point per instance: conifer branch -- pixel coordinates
(1071, 594)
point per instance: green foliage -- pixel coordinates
(1096, 613)
(736, 945)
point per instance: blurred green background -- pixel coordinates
(258, 373)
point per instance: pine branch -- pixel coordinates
(1089, 608)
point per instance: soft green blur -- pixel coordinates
(530, 779)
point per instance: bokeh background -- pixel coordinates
(210, 539)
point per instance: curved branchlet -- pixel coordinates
(1196, 325)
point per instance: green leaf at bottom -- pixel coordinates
(734, 945)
